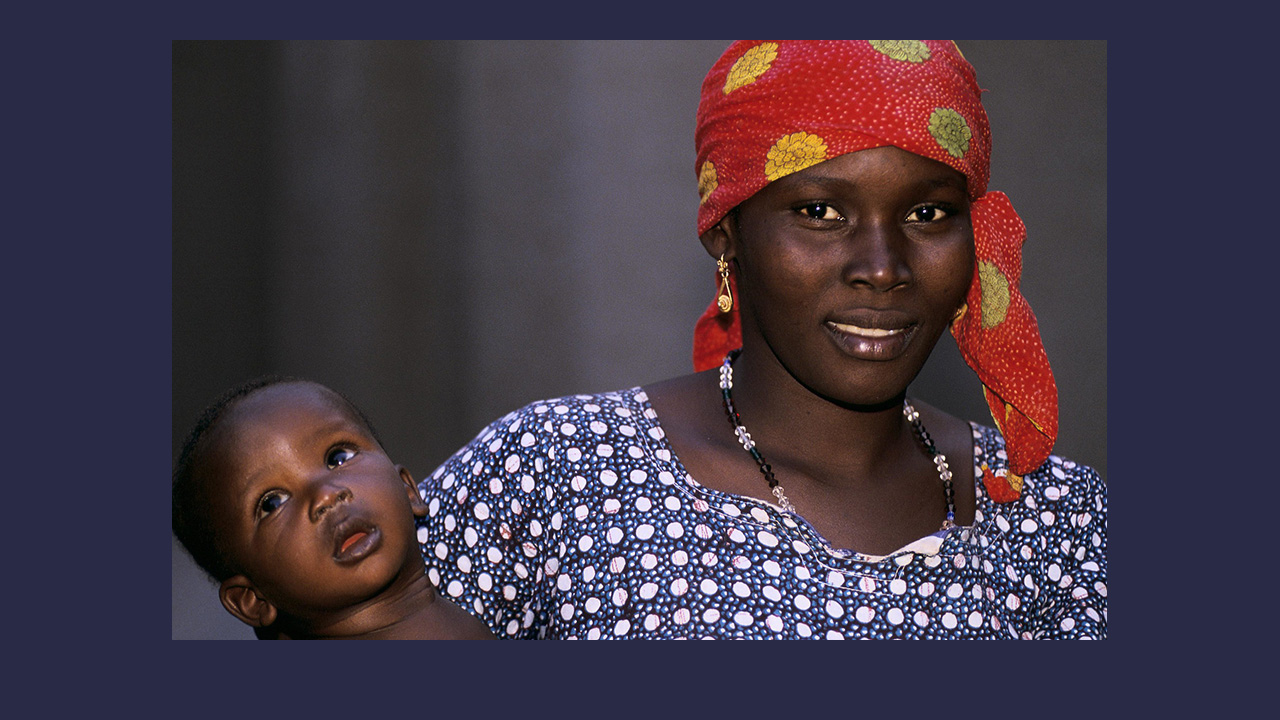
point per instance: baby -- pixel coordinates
(284, 495)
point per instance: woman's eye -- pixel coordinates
(338, 456)
(820, 211)
(271, 502)
(927, 213)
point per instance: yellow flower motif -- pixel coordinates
(750, 66)
(951, 131)
(912, 51)
(706, 181)
(793, 153)
(1015, 481)
(995, 294)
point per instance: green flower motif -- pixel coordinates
(951, 131)
(912, 51)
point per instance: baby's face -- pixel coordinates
(308, 505)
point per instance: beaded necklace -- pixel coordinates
(744, 437)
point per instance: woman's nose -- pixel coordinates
(877, 256)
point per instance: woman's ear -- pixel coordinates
(719, 239)
(242, 599)
(415, 500)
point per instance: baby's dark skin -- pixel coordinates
(319, 524)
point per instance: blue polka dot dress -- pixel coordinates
(572, 518)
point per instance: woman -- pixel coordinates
(843, 196)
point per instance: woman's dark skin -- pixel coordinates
(881, 239)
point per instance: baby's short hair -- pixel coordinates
(192, 524)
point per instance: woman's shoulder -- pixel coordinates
(562, 417)
(1057, 479)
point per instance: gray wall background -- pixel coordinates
(447, 230)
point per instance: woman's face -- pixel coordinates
(850, 270)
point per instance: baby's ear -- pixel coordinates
(415, 500)
(241, 599)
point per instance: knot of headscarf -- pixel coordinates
(771, 108)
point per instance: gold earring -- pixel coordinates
(725, 301)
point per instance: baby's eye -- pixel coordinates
(928, 213)
(338, 456)
(271, 501)
(820, 211)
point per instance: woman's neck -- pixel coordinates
(793, 425)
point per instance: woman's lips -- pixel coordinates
(872, 343)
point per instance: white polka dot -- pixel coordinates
(671, 502)
(612, 505)
(679, 557)
(455, 589)
(644, 504)
(604, 450)
(710, 616)
(867, 584)
(760, 515)
(464, 564)
(593, 605)
(731, 509)
(801, 547)
(564, 583)
(581, 512)
(835, 609)
(638, 476)
(667, 478)
(1067, 623)
(648, 591)
(681, 616)
(895, 616)
(585, 543)
(645, 531)
(736, 535)
(921, 618)
(566, 611)
(803, 630)
(648, 561)
(834, 635)
(598, 427)
(897, 586)
(1028, 526)
(620, 597)
(949, 621)
(708, 587)
(975, 619)
(627, 430)
(651, 622)
(767, 538)
(470, 536)
(741, 589)
(865, 614)
(617, 565)
(675, 530)
(801, 602)
(574, 454)
(608, 477)
(588, 573)
(772, 568)
(774, 623)
(743, 618)
(835, 578)
(709, 559)
(772, 593)
(679, 586)
(954, 590)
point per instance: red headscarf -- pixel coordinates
(770, 108)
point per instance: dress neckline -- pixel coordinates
(928, 545)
